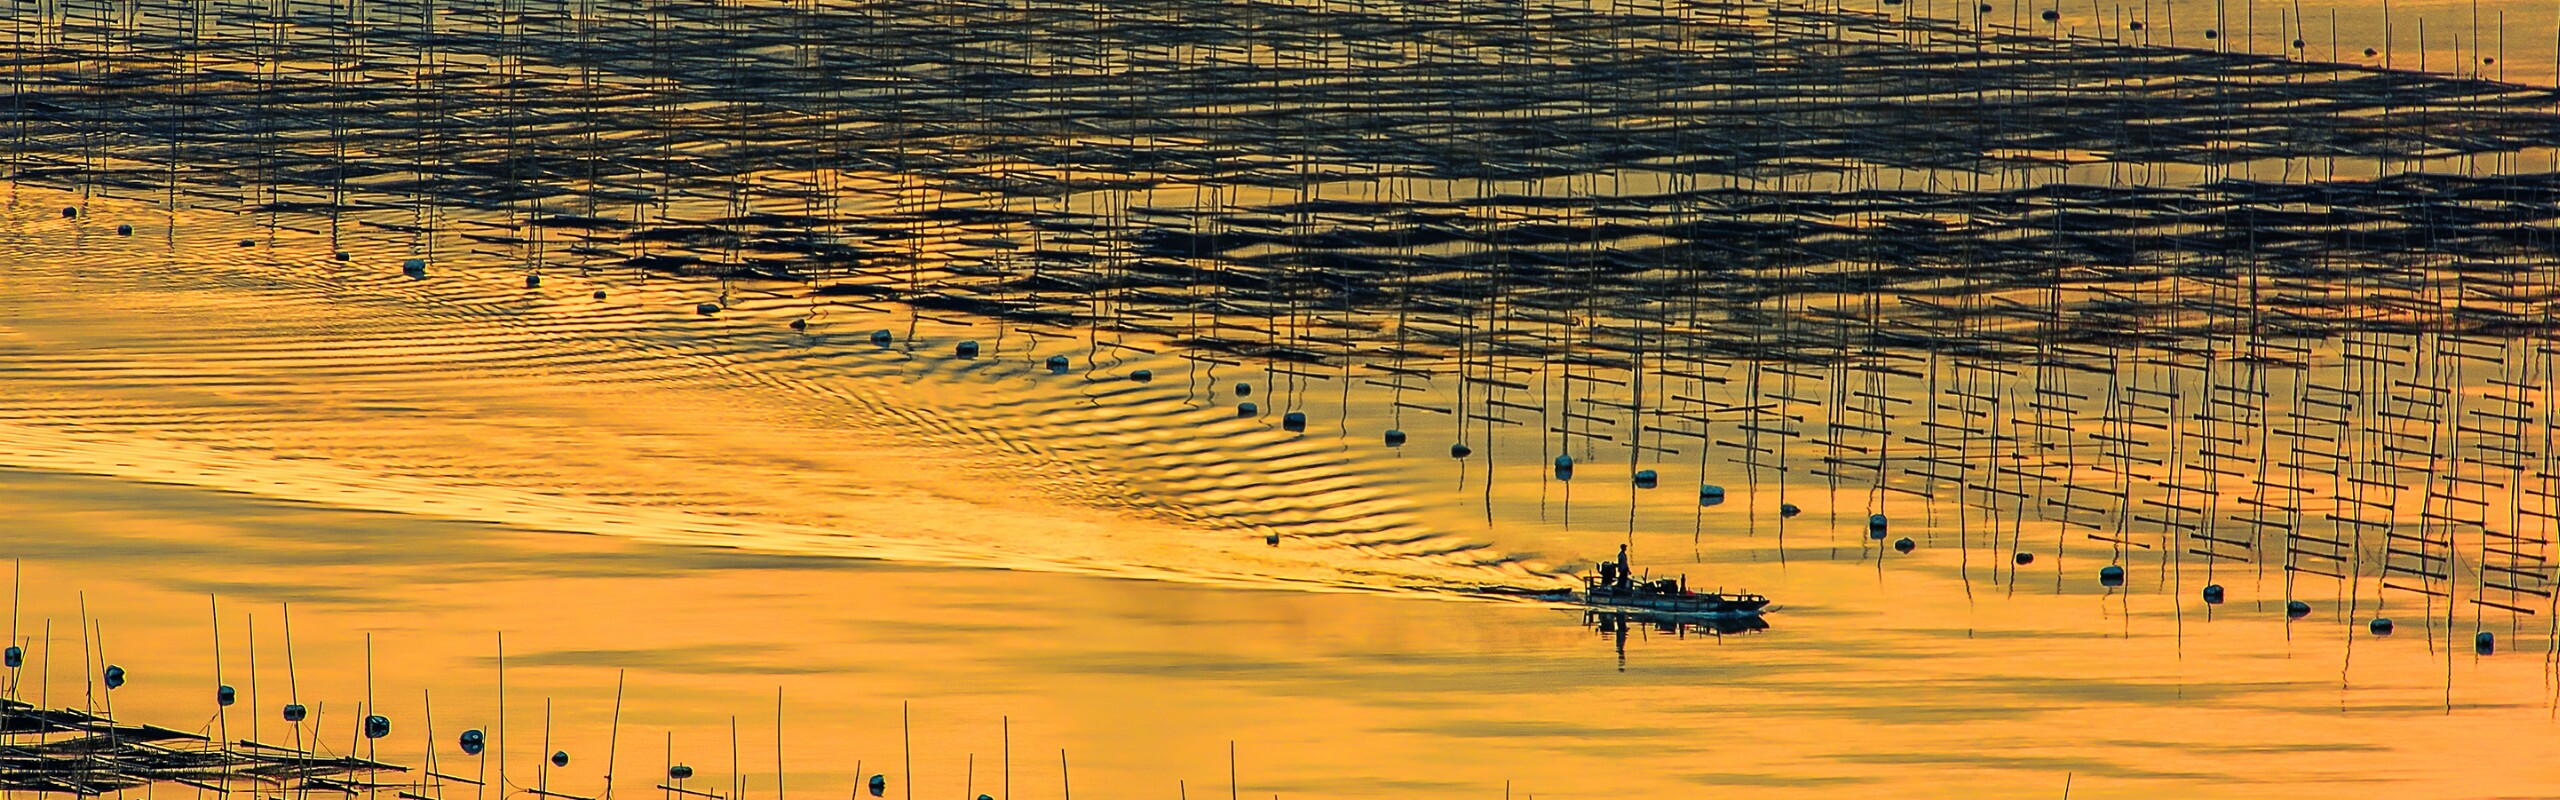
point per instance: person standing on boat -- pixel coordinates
(1623, 575)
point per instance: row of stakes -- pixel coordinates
(2112, 576)
(472, 742)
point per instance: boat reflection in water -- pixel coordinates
(1617, 624)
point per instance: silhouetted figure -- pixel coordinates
(1624, 577)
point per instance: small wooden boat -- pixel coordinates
(1667, 596)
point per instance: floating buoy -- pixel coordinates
(2051, 15)
(377, 726)
(2297, 44)
(2213, 594)
(124, 230)
(679, 772)
(1272, 539)
(415, 268)
(294, 712)
(1143, 376)
(1904, 545)
(533, 281)
(1057, 365)
(345, 256)
(1295, 421)
(2370, 52)
(1564, 468)
(114, 677)
(880, 338)
(2022, 558)
(248, 243)
(1244, 389)
(984, 796)
(799, 324)
(2136, 25)
(2210, 33)
(879, 786)
(599, 294)
(69, 212)
(2111, 575)
(967, 349)
(225, 695)
(1394, 438)
(1461, 450)
(473, 741)
(1875, 527)
(2380, 626)
(1247, 409)
(1646, 479)
(2484, 643)
(706, 309)
(560, 758)
(2296, 609)
(1788, 510)
(1710, 494)
(1986, 8)
(13, 657)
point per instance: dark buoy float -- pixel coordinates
(2111, 575)
(415, 268)
(799, 324)
(377, 726)
(679, 772)
(1057, 365)
(1461, 450)
(2213, 594)
(533, 281)
(879, 786)
(473, 741)
(225, 695)
(1788, 510)
(706, 309)
(1876, 527)
(599, 294)
(124, 230)
(114, 677)
(2296, 609)
(2484, 643)
(13, 658)
(2380, 626)
(1244, 389)
(968, 349)
(1272, 539)
(1710, 494)
(1394, 438)
(1143, 376)
(1294, 421)
(1247, 409)
(2022, 558)
(294, 712)
(1646, 479)
(1564, 468)
(880, 338)
(560, 758)
(1904, 545)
